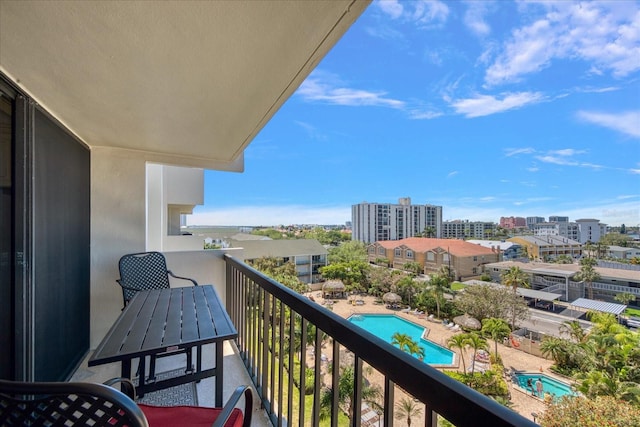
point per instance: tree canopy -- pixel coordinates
(352, 250)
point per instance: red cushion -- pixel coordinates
(169, 416)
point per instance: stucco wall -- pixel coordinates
(117, 227)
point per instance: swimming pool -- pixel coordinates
(549, 385)
(385, 325)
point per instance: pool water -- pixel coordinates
(549, 385)
(384, 326)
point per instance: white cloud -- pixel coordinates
(452, 173)
(316, 89)
(627, 123)
(604, 34)
(484, 105)
(391, 7)
(515, 151)
(425, 13)
(424, 115)
(474, 18)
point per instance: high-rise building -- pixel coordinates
(533, 220)
(459, 229)
(372, 222)
(556, 218)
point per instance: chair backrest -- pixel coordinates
(65, 404)
(141, 272)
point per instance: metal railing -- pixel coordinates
(272, 320)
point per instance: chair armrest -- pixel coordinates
(231, 404)
(127, 386)
(126, 287)
(183, 278)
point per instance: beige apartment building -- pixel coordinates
(466, 260)
(546, 248)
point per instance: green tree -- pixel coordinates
(587, 274)
(459, 341)
(430, 232)
(475, 342)
(497, 329)
(284, 273)
(353, 274)
(583, 412)
(402, 341)
(514, 278)
(486, 301)
(556, 348)
(574, 329)
(406, 409)
(382, 279)
(625, 298)
(352, 250)
(370, 394)
(415, 268)
(438, 285)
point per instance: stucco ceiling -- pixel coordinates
(187, 82)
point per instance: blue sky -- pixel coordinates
(487, 109)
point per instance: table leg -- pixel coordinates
(219, 371)
(125, 371)
(142, 369)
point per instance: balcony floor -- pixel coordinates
(234, 372)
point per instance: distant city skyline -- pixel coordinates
(488, 109)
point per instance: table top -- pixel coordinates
(165, 320)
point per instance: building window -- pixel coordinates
(445, 257)
(381, 251)
(398, 253)
(409, 254)
(475, 258)
(430, 256)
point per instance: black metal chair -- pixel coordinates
(145, 271)
(82, 404)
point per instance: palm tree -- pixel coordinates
(407, 408)
(514, 277)
(459, 341)
(416, 349)
(574, 329)
(556, 348)
(369, 393)
(403, 341)
(476, 342)
(587, 274)
(497, 329)
(625, 298)
(439, 283)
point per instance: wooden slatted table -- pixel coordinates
(163, 321)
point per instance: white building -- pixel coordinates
(459, 229)
(582, 230)
(374, 222)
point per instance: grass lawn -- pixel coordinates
(456, 286)
(632, 312)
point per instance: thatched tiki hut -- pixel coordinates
(333, 289)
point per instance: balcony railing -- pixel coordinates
(271, 318)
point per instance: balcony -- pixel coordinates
(269, 317)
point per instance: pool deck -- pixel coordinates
(513, 359)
